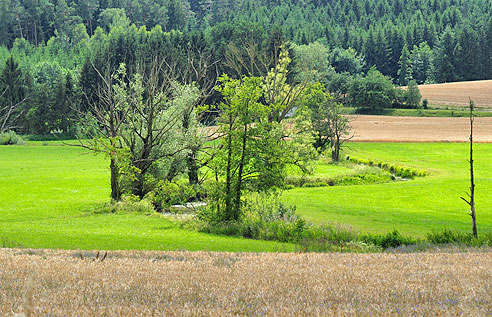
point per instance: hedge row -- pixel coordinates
(317, 181)
(397, 170)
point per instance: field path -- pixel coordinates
(370, 128)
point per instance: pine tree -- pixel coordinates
(405, 67)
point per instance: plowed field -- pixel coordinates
(458, 94)
(367, 128)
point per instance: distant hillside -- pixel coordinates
(459, 93)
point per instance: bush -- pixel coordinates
(167, 194)
(448, 236)
(425, 103)
(413, 96)
(10, 138)
(128, 204)
(375, 91)
(397, 170)
(390, 240)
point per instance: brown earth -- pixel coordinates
(459, 94)
(367, 128)
(62, 283)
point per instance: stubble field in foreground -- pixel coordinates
(203, 283)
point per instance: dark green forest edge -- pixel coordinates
(54, 42)
(137, 80)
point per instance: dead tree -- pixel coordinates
(471, 195)
(9, 113)
(102, 125)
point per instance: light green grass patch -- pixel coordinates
(413, 207)
(48, 191)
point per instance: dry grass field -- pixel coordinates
(203, 283)
(369, 128)
(458, 94)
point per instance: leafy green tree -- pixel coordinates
(329, 126)
(313, 63)
(153, 129)
(113, 17)
(137, 123)
(313, 106)
(339, 85)
(87, 10)
(253, 152)
(347, 61)
(444, 58)
(375, 91)
(339, 126)
(413, 96)
(236, 160)
(420, 59)
(176, 15)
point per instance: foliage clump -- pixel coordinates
(397, 170)
(11, 138)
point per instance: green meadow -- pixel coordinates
(413, 207)
(49, 194)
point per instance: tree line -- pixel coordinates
(455, 34)
(50, 50)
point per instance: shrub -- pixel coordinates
(448, 236)
(11, 138)
(401, 171)
(363, 175)
(167, 194)
(128, 204)
(389, 240)
(425, 103)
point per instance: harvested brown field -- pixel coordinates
(459, 94)
(368, 128)
(220, 284)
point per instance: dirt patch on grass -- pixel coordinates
(206, 283)
(459, 94)
(368, 128)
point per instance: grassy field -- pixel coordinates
(412, 207)
(49, 194)
(61, 283)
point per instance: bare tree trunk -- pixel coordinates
(237, 204)
(472, 181)
(336, 153)
(36, 33)
(115, 186)
(20, 27)
(228, 203)
(192, 168)
(90, 27)
(471, 202)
